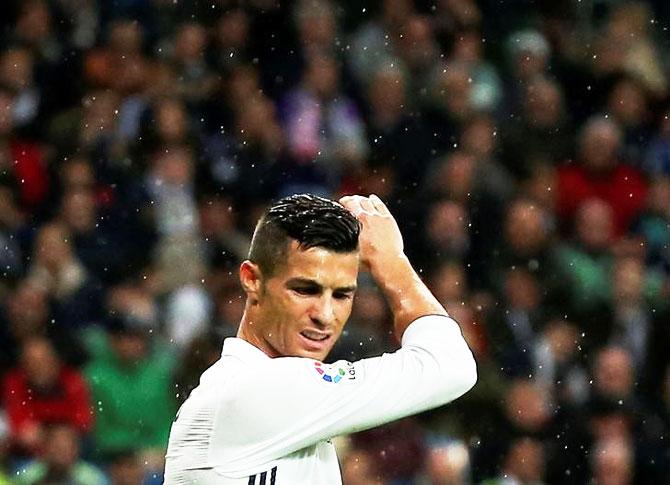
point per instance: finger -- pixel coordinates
(352, 204)
(379, 204)
(367, 205)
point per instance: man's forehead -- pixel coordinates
(320, 264)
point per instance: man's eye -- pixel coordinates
(306, 291)
(343, 296)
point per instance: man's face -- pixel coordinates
(304, 305)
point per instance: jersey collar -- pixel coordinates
(242, 349)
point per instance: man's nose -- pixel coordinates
(324, 311)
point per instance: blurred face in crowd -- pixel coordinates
(243, 84)
(316, 23)
(126, 471)
(126, 37)
(40, 363)
(453, 90)
(387, 93)
(232, 29)
(27, 310)
(447, 227)
(628, 103)
(628, 280)
(417, 45)
(129, 346)
(478, 137)
(530, 62)
(190, 43)
(34, 22)
(53, 248)
(610, 425)
(6, 113)
(594, 224)
(448, 464)
(613, 372)
(527, 406)
(526, 229)
(171, 121)
(467, 46)
(77, 173)
(175, 167)
(359, 468)
(396, 12)
(543, 103)
(522, 289)
(599, 145)
(525, 460)
(303, 306)
(455, 176)
(99, 114)
(449, 283)
(658, 199)
(78, 210)
(541, 187)
(322, 76)
(612, 462)
(257, 123)
(62, 447)
(16, 68)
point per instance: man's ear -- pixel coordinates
(251, 279)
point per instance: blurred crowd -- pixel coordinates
(524, 147)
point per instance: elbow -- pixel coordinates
(463, 375)
(469, 373)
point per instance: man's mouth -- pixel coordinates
(314, 335)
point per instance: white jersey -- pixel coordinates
(258, 420)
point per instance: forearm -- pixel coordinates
(408, 297)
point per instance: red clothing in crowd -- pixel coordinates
(68, 401)
(623, 188)
(31, 173)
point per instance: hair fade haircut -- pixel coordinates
(310, 220)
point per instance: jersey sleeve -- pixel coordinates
(291, 402)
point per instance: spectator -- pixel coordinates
(657, 157)
(171, 184)
(523, 463)
(323, 126)
(600, 174)
(75, 293)
(613, 462)
(125, 469)
(128, 377)
(27, 313)
(542, 134)
(628, 103)
(22, 160)
(61, 462)
(41, 392)
(654, 224)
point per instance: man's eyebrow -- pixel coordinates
(308, 282)
(348, 289)
(303, 281)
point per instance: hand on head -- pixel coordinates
(380, 240)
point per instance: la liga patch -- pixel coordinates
(331, 372)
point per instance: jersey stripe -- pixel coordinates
(252, 480)
(273, 475)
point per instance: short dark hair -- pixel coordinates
(310, 220)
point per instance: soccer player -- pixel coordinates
(266, 411)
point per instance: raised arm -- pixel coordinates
(382, 251)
